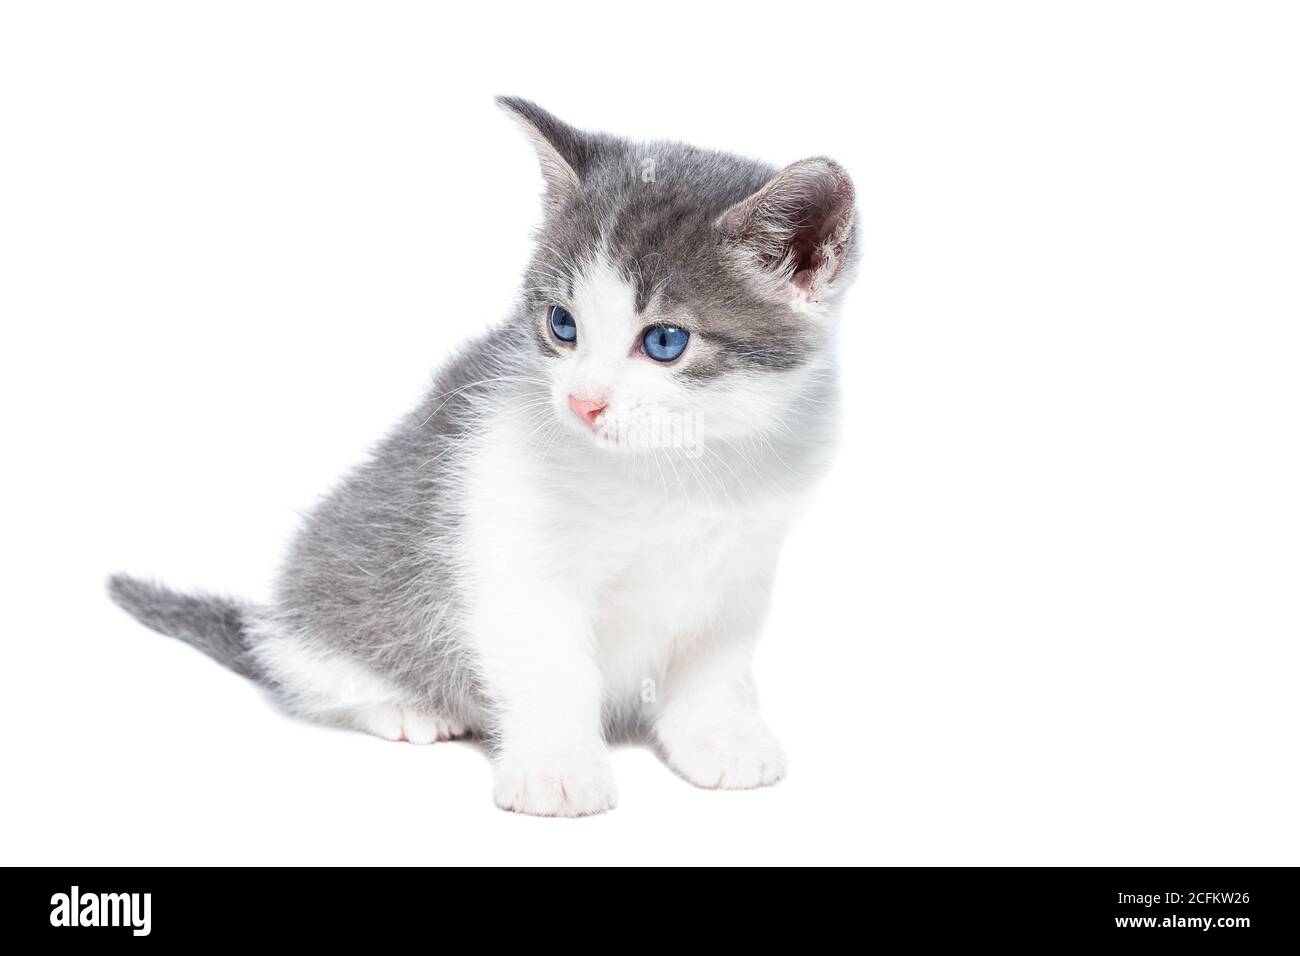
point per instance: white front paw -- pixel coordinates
(725, 757)
(566, 784)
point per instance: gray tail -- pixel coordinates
(214, 625)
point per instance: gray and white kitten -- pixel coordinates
(574, 535)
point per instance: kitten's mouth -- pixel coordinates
(652, 431)
(633, 426)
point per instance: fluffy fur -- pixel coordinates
(503, 568)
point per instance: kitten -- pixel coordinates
(574, 535)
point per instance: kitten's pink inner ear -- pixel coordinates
(798, 225)
(817, 246)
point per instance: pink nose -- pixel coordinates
(586, 409)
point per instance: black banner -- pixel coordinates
(1228, 908)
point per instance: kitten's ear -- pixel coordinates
(797, 228)
(564, 152)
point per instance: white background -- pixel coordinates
(1045, 610)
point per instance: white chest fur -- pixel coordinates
(655, 556)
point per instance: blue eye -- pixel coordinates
(663, 343)
(562, 325)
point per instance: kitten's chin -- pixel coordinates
(610, 440)
(647, 435)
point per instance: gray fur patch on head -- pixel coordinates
(747, 257)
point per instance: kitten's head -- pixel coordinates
(678, 293)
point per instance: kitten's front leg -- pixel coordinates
(709, 726)
(535, 651)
